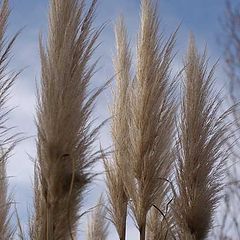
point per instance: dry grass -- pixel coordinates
(150, 119)
(7, 139)
(201, 152)
(160, 221)
(98, 226)
(139, 173)
(65, 135)
(6, 229)
(118, 199)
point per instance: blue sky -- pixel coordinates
(200, 17)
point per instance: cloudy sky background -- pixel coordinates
(200, 17)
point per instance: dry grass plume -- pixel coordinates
(150, 120)
(118, 199)
(65, 133)
(201, 149)
(97, 226)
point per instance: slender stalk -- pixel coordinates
(116, 191)
(142, 230)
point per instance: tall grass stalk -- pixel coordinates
(150, 120)
(202, 135)
(118, 199)
(65, 133)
